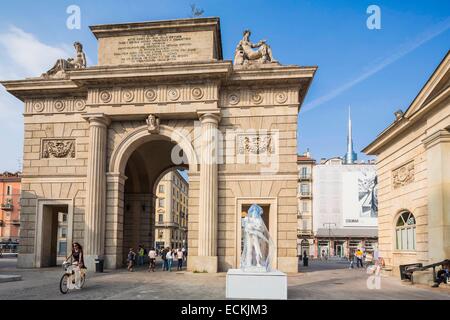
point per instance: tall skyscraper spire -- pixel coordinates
(350, 157)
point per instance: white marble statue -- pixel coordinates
(258, 246)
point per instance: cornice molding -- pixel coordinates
(439, 136)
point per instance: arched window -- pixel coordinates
(405, 231)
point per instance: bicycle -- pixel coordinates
(67, 281)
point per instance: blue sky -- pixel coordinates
(376, 72)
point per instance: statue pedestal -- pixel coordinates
(256, 285)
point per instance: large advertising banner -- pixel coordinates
(359, 198)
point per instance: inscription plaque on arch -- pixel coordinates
(158, 42)
(153, 48)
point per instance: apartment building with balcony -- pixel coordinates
(305, 237)
(9, 206)
(171, 214)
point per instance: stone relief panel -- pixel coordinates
(403, 175)
(58, 148)
(239, 97)
(255, 143)
(56, 105)
(158, 94)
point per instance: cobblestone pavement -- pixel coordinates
(321, 280)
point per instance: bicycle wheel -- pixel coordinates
(63, 284)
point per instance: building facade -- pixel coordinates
(10, 206)
(171, 212)
(98, 138)
(345, 207)
(305, 236)
(413, 157)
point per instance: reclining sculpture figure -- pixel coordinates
(245, 54)
(63, 65)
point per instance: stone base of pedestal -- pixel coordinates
(89, 262)
(423, 277)
(26, 260)
(252, 285)
(207, 264)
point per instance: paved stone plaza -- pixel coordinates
(322, 280)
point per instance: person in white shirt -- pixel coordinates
(152, 257)
(169, 257)
(180, 255)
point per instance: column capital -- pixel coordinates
(212, 116)
(97, 119)
(116, 176)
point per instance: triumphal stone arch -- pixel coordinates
(99, 138)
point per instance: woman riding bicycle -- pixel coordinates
(77, 260)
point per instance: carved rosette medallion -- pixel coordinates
(173, 94)
(150, 95)
(281, 97)
(255, 144)
(403, 175)
(79, 105)
(233, 99)
(63, 148)
(105, 96)
(59, 105)
(128, 95)
(257, 97)
(38, 106)
(197, 93)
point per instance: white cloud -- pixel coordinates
(21, 55)
(25, 55)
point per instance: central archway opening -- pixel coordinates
(155, 198)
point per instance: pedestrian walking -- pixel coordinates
(152, 259)
(164, 259)
(141, 253)
(305, 259)
(130, 258)
(324, 257)
(351, 258)
(359, 258)
(185, 253)
(180, 256)
(169, 258)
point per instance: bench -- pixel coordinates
(407, 270)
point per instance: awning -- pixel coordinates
(347, 233)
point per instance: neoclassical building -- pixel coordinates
(413, 167)
(99, 138)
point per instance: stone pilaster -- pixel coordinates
(94, 233)
(115, 184)
(208, 196)
(438, 180)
